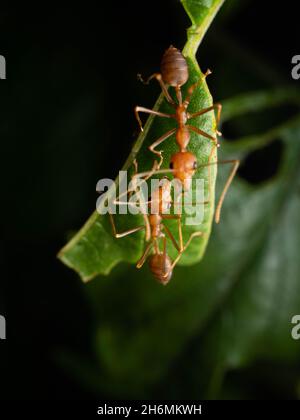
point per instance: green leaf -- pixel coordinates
(93, 250)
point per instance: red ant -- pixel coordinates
(183, 164)
(160, 263)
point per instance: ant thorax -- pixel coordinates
(182, 137)
(181, 115)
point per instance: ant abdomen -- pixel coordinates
(160, 266)
(174, 68)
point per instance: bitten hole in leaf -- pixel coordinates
(257, 122)
(262, 164)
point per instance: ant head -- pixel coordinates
(160, 266)
(174, 68)
(184, 165)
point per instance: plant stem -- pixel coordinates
(198, 29)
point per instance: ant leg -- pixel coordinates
(127, 192)
(213, 149)
(235, 164)
(165, 255)
(193, 235)
(138, 109)
(217, 106)
(158, 142)
(145, 217)
(145, 176)
(143, 258)
(202, 133)
(136, 176)
(191, 203)
(164, 89)
(118, 202)
(122, 203)
(178, 218)
(193, 87)
(158, 172)
(125, 233)
(215, 144)
(170, 235)
(154, 169)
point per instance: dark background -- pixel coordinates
(71, 74)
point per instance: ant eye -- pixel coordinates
(171, 165)
(195, 165)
